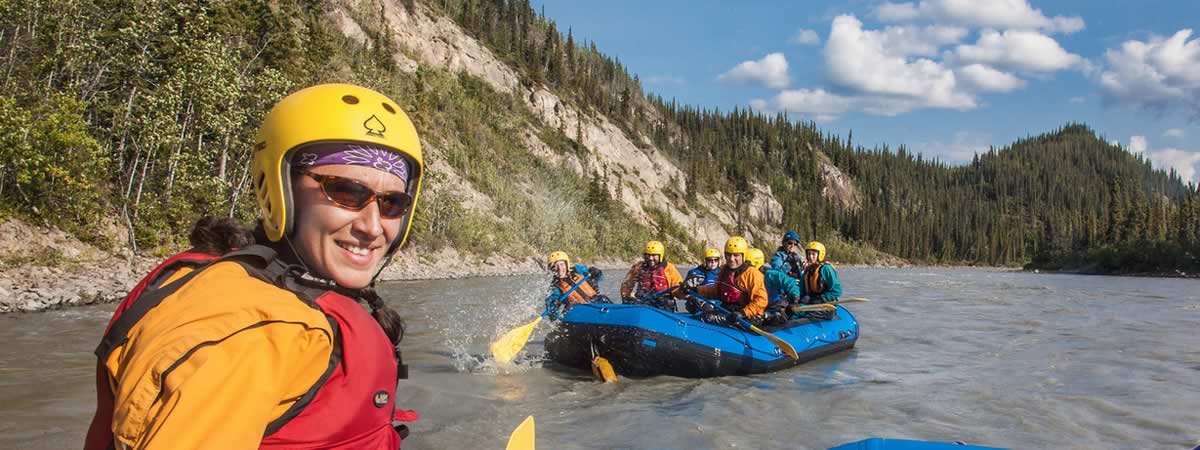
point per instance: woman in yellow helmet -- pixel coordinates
(650, 275)
(253, 349)
(820, 283)
(572, 284)
(739, 287)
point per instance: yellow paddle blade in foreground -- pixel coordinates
(522, 438)
(603, 370)
(507, 347)
(782, 344)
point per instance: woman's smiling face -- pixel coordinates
(340, 244)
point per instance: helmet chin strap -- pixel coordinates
(386, 261)
(300, 259)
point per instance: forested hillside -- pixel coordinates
(1066, 198)
(137, 116)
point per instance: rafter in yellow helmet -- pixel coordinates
(327, 113)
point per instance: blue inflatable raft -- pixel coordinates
(641, 340)
(905, 444)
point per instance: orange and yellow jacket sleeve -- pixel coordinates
(630, 280)
(751, 282)
(214, 363)
(673, 279)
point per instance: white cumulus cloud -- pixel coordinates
(985, 78)
(866, 61)
(961, 149)
(1137, 144)
(1173, 132)
(771, 70)
(913, 40)
(1007, 14)
(925, 61)
(1185, 162)
(1021, 50)
(1158, 74)
(805, 37)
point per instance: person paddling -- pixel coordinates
(270, 345)
(739, 288)
(653, 274)
(579, 283)
(820, 283)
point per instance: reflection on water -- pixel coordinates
(989, 357)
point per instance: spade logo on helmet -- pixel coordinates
(374, 126)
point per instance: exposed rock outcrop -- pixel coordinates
(639, 175)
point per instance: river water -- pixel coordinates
(988, 357)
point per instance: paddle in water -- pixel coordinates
(511, 343)
(603, 370)
(522, 438)
(783, 345)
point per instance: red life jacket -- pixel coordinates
(350, 407)
(652, 279)
(353, 409)
(731, 294)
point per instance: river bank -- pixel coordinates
(41, 285)
(43, 268)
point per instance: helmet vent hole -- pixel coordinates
(389, 108)
(350, 99)
(259, 182)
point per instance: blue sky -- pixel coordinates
(945, 77)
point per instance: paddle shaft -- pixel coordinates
(827, 305)
(783, 345)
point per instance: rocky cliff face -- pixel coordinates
(640, 176)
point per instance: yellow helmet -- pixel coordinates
(737, 245)
(327, 113)
(711, 253)
(557, 256)
(819, 247)
(756, 258)
(656, 248)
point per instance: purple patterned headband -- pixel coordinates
(355, 155)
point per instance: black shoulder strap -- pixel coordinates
(255, 256)
(170, 269)
(262, 263)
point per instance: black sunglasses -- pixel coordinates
(351, 194)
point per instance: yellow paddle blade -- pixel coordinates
(507, 347)
(816, 307)
(782, 344)
(522, 438)
(603, 370)
(848, 300)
